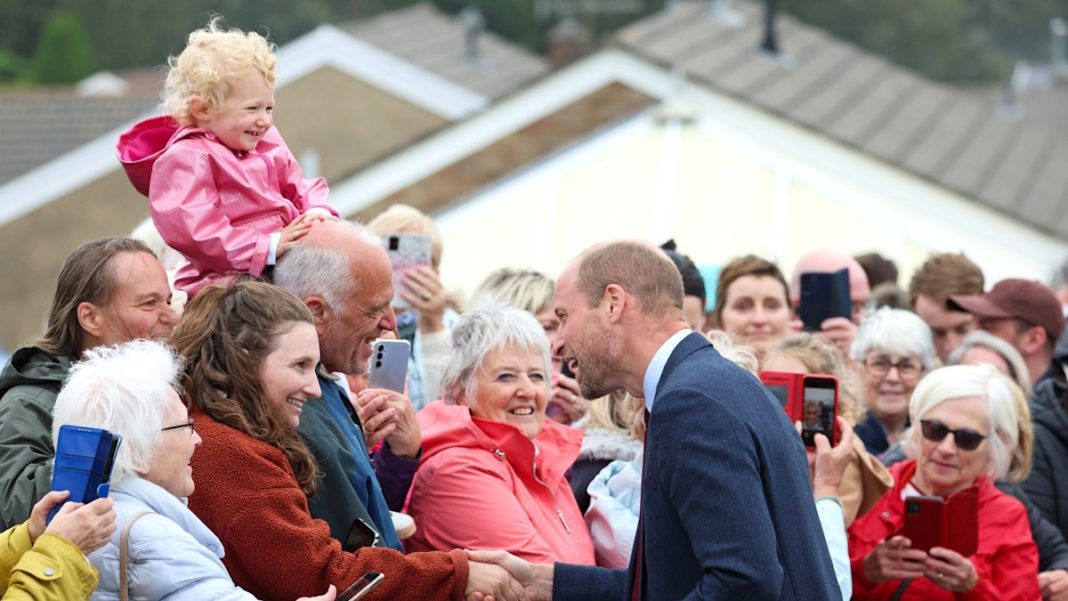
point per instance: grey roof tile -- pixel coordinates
(918, 113)
(942, 142)
(1012, 174)
(970, 169)
(751, 71)
(434, 41)
(854, 76)
(38, 126)
(1045, 200)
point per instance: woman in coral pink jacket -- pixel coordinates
(492, 475)
(964, 431)
(223, 188)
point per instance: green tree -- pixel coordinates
(63, 54)
(12, 67)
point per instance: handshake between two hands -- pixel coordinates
(501, 576)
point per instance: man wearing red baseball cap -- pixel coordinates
(1024, 313)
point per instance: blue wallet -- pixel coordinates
(84, 458)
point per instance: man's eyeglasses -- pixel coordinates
(906, 368)
(965, 438)
(179, 427)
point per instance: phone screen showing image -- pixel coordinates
(818, 410)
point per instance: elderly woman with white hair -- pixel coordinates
(130, 390)
(892, 351)
(964, 436)
(492, 474)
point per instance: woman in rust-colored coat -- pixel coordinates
(251, 352)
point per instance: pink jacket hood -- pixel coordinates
(447, 426)
(140, 146)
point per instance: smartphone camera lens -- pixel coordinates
(379, 356)
(912, 508)
(378, 364)
(394, 243)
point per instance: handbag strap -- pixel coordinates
(898, 594)
(124, 540)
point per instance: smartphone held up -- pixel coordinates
(389, 364)
(406, 252)
(811, 399)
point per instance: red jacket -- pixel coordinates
(216, 206)
(481, 486)
(1006, 559)
(246, 494)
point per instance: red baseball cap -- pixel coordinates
(1028, 300)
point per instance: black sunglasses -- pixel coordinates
(965, 438)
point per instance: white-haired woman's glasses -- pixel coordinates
(179, 427)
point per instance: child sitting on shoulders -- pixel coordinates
(223, 188)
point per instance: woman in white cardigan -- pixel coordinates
(129, 389)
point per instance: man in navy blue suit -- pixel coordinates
(726, 509)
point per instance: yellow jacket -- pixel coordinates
(50, 569)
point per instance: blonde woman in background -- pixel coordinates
(428, 323)
(865, 479)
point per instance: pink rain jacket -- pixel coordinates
(216, 206)
(480, 485)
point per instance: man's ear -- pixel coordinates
(199, 108)
(321, 313)
(90, 318)
(617, 298)
(1031, 340)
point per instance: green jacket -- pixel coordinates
(29, 384)
(50, 569)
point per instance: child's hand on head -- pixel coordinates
(317, 214)
(292, 233)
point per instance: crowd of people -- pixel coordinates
(597, 435)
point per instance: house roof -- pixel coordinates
(434, 41)
(936, 131)
(38, 126)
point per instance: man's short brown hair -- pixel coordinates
(641, 269)
(943, 275)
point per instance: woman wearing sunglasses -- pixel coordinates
(963, 435)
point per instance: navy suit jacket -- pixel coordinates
(727, 508)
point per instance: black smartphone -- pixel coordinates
(819, 397)
(360, 588)
(361, 535)
(823, 296)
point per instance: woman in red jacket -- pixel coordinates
(251, 351)
(963, 436)
(492, 475)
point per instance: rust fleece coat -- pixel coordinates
(247, 495)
